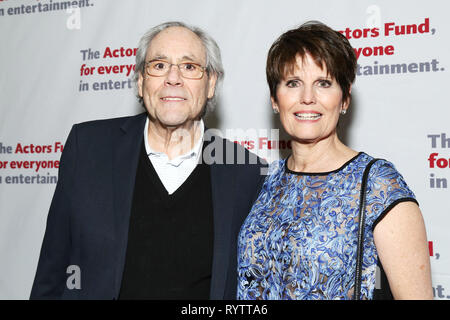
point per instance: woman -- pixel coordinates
(300, 238)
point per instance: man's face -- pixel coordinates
(171, 100)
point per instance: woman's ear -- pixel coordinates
(275, 107)
(346, 103)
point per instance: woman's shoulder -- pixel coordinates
(386, 188)
(382, 173)
(381, 168)
(276, 167)
(379, 164)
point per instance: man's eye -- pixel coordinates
(189, 67)
(160, 65)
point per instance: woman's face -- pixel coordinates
(309, 102)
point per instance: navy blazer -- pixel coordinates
(88, 220)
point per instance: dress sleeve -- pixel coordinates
(386, 187)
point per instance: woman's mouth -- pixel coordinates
(308, 115)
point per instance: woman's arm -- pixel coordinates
(401, 242)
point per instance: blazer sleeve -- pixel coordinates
(50, 279)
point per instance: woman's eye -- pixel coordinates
(324, 83)
(292, 83)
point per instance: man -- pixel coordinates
(149, 207)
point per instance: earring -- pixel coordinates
(343, 111)
(275, 111)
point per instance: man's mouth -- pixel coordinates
(173, 99)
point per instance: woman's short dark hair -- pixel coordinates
(327, 47)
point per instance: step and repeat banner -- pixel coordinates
(65, 62)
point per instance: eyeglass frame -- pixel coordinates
(174, 64)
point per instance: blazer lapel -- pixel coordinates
(223, 186)
(127, 145)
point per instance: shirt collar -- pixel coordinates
(193, 154)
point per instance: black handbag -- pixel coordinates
(382, 290)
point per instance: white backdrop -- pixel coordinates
(399, 112)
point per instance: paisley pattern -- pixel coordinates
(299, 240)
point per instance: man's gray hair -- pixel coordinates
(213, 58)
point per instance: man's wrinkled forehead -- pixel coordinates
(176, 43)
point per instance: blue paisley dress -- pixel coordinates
(299, 240)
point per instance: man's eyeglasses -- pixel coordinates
(160, 68)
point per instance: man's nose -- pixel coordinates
(173, 77)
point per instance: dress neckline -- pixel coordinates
(287, 170)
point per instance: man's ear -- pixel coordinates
(140, 83)
(212, 80)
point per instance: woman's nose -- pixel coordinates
(308, 95)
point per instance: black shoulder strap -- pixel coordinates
(362, 218)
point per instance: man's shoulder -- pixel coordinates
(101, 133)
(118, 122)
(228, 154)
